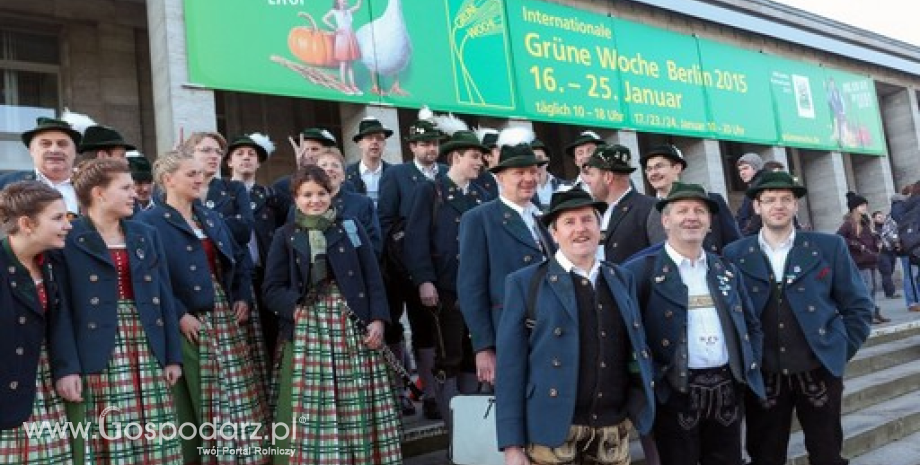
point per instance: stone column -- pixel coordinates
(826, 180)
(776, 153)
(902, 124)
(352, 114)
(178, 104)
(704, 164)
(873, 180)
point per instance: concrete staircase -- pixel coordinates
(881, 406)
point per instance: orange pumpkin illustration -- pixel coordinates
(312, 45)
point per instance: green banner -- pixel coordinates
(527, 59)
(392, 52)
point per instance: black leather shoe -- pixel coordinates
(408, 408)
(430, 409)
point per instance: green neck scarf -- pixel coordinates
(315, 226)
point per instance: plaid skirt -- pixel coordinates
(258, 352)
(335, 392)
(133, 395)
(226, 392)
(46, 448)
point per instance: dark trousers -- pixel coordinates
(886, 260)
(703, 426)
(268, 319)
(816, 398)
(402, 295)
(454, 346)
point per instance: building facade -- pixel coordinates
(126, 63)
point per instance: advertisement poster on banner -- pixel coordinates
(528, 59)
(448, 54)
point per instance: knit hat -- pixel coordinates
(854, 200)
(752, 159)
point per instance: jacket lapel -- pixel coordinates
(803, 257)
(620, 211)
(514, 224)
(753, 263)
(561, 283)
(666, 282)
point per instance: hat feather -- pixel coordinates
(481, 132)
(515, 136)
(263, 142)
(425, 113)
(449, 124)
(133, 154)
(78, 121)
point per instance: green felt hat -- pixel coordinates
(668, 151)
(319, 135)
(776, 180)
(246, 140)
(424, 130)
(461, 140)
(516, 156)
(683, 191)
(43, 124)
(570, 199)
(141, 170)
(371, 125)
(102, 137)
(615, 158)
(586, 137)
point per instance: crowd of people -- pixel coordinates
(183, 292)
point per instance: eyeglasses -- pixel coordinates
(210, 150)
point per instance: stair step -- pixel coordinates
(881, 356)
(904, 451)
(870, 428)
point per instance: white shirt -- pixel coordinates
(430, 172)
(371, 180)
(527, 214)
(545, 192)
(569, 267)
(605, 221)
(65, 188)
(777, 256)
(705, 338)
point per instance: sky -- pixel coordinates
(892, 18)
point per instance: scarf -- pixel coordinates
(315, 226)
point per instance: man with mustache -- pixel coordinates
(624, 225)
(573, 362)
(815, 312)
(53, 146)
(663, 166)
(704, 336)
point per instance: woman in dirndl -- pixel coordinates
(117, 348)
(210, 278)
(319, 268)
(33, 217)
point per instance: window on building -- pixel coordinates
(29, 88)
